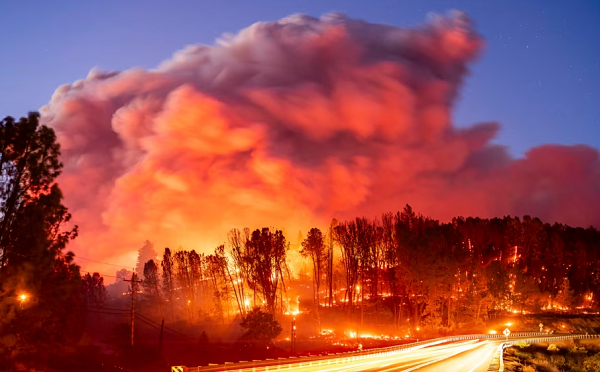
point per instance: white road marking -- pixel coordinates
(488, 359)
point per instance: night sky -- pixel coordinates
(539, 75)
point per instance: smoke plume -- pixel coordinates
(289, 124)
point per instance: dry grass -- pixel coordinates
(565, 356)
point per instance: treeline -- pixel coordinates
(439, 274)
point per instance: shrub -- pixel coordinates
(553, 348)
(539, 362)
(578, 350)
(574, 361)
(260, 327)
(592, 363)
(557, 360)
(523, 344)
(522, 355)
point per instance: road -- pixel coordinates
(477, 359)
(458, 356)
(465, 356)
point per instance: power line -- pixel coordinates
(108, 308)
(95, 272)
(148, 323)
(107, 313)
(167, 328)
(100, 262)
(141, 318)
(166, 331)
(138, 315)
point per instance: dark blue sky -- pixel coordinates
(539, 75)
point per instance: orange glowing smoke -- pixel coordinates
(289, 124)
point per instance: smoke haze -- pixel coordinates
(289, 124)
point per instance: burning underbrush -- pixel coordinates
(330, 341)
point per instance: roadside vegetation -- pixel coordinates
(564, 356)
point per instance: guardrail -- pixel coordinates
(292, 362)
(499, 355)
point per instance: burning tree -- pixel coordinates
(565, 296)
(314, 248)
(240, 271)
(216, 267)
(168, 276)
(188, 271)
(266, 251)
(151, 284)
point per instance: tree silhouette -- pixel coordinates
(32, 241)
(241, 265)
(216, 267)
(345, 235)
(145, 253)
(266, 255)
(564, 298)
(168, 277)
(314, 248)
(151, 284)
(93, 290)
(261, 327)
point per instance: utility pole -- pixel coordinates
(133, 281)
(160, 337)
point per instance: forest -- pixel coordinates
(401, 269)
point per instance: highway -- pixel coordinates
(463, 353)
(477, 359)
(461, 356)
(465, 356)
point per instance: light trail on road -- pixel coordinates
(473, 355)
(475, 360)
(395, 360)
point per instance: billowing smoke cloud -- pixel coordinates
(289, 124)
